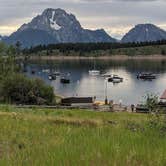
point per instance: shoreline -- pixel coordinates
(114, 57)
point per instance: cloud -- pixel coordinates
(116, 16)
(108, 1)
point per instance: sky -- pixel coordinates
(115, 16)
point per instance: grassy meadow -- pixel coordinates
(42, 137)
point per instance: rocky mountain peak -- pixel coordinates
(56, 26)
(53, 20)
(144, 33)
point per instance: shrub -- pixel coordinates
(18, 89)
(151, 102)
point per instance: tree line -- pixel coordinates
(89, 47)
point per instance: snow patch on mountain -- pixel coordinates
(53, 23)
(56, 26)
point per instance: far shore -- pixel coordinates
(112, 57)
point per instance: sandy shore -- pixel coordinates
(115, 57)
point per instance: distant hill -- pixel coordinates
(56, 26)
(144, 33)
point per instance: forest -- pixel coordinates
(81, 49)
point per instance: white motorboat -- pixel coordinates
(94, 72)
(106, 75)
(46, 70)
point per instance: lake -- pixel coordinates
(130, 91)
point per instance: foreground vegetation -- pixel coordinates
(15, 87)
(77, 137)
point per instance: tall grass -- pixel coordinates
(58, 137)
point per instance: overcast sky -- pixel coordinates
(115, 16)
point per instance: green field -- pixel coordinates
(78, 137)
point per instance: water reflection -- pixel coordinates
(130, 91)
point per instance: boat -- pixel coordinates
(46, 70)
(106, 75)
(65, 80)
(115, 79)
(33, 72)
(52, 77)
(141, 109)
(146, 76)
(94, 72)
(56, 73)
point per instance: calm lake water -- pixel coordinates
(130, 91)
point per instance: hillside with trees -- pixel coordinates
(98, 49)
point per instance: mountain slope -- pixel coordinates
(143, 33)
(30, 37)
(56, 26)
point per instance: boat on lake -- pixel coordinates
(46, 70)
(56, 73)
(106, 75)
(52, 77)
(146, 76)
(115, 79)
(33, 71)
(64, 80)
(94, 72)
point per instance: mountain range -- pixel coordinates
(58, 26)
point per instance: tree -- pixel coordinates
(18, 89)
(151, 102)
(18, 47)
(3, 49)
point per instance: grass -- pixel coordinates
(60, 137)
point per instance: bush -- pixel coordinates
(18, 89)
(151, 102)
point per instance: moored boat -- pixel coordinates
(106, 75)
(94, 72)
(33, 72)
(115, 79)
(46, 70)
(65, 80)
(146, 76)
(56, 73)
(52, 77)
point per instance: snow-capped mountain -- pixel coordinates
(56, 26)
(143, 33)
